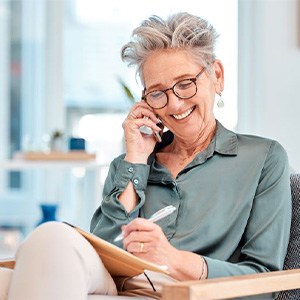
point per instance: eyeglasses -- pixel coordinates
(183, 89)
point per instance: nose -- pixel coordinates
(174, 101)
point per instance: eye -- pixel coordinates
(184, 84)
(155, 95)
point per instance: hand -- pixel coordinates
(139, 146)
(146, 240)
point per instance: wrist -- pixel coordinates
(203, 269)
(136, 158)
(195, 267)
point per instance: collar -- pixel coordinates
(224, 142)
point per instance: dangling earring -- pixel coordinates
(220, 102)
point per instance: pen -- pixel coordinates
(154, 218)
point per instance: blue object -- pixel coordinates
(48, 213)
(76, 144)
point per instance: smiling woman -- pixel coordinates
(198, 167)
(221, 183)
(59, 63)
(96, 86)
(70, 68)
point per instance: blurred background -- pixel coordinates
(61, 75)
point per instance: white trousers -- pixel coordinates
(55, 262)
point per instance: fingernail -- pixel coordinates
(158, 137)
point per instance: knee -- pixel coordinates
(52, 229)
(49, 236)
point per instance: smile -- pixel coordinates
(185, 114)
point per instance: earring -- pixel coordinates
(220, 102)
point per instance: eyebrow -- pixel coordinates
(175, 79)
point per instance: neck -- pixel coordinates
(189, 148)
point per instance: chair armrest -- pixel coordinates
(7, 263)
(231, 287)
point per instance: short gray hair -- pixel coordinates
(179, 31)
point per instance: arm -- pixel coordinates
(123, 193)
(182, 265)
(111, 215)
(265, 240)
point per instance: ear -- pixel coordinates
(219, 75)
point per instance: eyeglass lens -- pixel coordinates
(183, 89)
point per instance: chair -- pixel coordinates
(286, 282)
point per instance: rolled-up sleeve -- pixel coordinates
(111, 214)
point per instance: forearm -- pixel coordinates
(129, 198)
(123, 177)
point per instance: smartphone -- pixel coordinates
(147, 130)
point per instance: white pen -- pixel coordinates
(154, 218)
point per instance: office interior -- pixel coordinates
(61, 74)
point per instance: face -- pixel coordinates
(189, 117)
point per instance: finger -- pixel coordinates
(137, 247)
(149, 123)
(132, 115)
(139, 224)
(141, 112)
(138, 123)
(137, 230)
(136, 237)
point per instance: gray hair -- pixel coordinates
(179, 31)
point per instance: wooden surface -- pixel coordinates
(231, 287)
(71, 155)
(9, 263)
(224, 288)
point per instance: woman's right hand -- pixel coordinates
(138, 145)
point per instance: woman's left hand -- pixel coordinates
(146, 240)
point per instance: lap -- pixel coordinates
(149, 287)
(58, 234)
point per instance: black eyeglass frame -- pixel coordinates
(193, 79)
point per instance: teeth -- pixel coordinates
(184, 115)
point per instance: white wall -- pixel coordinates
(269, 72)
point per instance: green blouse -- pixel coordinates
(233, 202)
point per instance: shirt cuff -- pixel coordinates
(137, 173)
(216, 268)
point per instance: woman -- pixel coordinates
(231, 191)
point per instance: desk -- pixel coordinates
(89, 191)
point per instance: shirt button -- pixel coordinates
(135, 181)
(130, 170)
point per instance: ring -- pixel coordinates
(141, 247)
